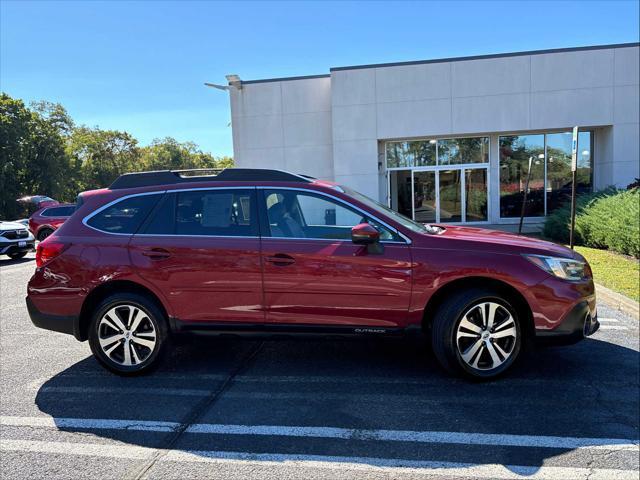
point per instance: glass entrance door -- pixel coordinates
(440, 195)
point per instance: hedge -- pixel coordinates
(608, 219)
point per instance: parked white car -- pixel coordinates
(15, 240)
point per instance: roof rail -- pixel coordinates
(171, 177)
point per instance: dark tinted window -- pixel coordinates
(216, 212)
(162, 220)
(125, 216)
(58, 212)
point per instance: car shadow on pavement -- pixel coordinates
(587, 390)
(6, 261)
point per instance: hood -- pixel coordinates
(4, 226)
(505, 242)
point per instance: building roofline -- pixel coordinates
(443, 60)
(285, 79)
(486, 57)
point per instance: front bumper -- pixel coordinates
(579, 323)
(57, 323)
(8, 248)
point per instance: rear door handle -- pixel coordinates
(281, 259)
(156, 253)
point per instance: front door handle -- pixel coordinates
(281, 259)
(156, 253)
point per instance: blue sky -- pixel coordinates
(140, 66)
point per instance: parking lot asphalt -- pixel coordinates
(312, 408)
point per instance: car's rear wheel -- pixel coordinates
(476, 333)
(128, 333)
(44, 233)
(17, 256)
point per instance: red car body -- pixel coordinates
(45, 221)
(266, 283)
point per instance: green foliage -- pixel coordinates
(32, 153)
(608, 219)
(43, 152)
(170, 154)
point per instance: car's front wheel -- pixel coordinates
(128, 333)
(477, 333)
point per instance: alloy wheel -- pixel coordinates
(126, 334)
(486, 336)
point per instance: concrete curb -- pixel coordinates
(618, 301)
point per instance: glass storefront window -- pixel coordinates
(458, 151)
(399, 154)
(451, 151)
(450, 196)
(559, 167)
(514, 157)
(476, 195)
(515, 152)
(424, 190)
(448, 151)
(425, 153)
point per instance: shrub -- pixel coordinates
(607, 219)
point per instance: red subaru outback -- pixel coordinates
(246, 251)
(46, 220)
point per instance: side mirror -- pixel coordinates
(364, 234)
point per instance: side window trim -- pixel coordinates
(266, 232)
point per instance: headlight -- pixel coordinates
(566, 268)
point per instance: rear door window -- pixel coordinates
(220, 212)
(125, 216)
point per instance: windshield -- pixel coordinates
(379, 207)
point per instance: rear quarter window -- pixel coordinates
(125, 216)
(58, 211)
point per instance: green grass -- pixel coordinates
(612, 270)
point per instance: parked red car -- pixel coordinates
(249, 251)
(46, 220)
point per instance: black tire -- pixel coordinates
(446, 346)
(155, 321)
(16, 256)
(44, 233)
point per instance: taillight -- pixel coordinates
(49, 249)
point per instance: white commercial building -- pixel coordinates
(450, 140)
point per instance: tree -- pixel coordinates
(43, 152)
(169, 154)
(32, 153)
(101, 156)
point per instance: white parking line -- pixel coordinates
(435, 437)
(181, 392)
(392, 466)
(612, 327)
(608, 320)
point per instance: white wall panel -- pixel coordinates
(490, 113)
(306, 95)
(627, 64)
(354, 122)
(571, 70)
(561, 109)
(413, 82)
(307, 129)
(491, 77)
(414, 119)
